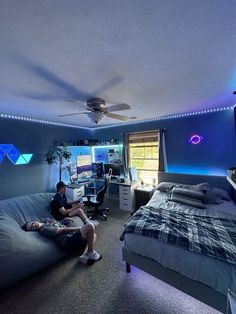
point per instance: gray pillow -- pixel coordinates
(210, 196)
(189, 197)
(167, 186)
(222, 194)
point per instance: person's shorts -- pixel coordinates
(75, 242)
(67, 206)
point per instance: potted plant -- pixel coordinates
(57, 155)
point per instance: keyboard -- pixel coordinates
(84, 180)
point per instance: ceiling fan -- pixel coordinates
(97, 109)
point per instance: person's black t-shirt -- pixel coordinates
(57, 202)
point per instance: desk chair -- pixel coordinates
(95, 200)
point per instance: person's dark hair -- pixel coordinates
(60, 184)
(24, 226)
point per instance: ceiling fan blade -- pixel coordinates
(112, 82)
(118, 107)
(116, 116)
(42, 97)
(56, 80)
(71, 114)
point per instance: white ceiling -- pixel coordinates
(159, 56)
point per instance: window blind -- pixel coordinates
(143, 137)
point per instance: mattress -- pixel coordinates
(215, 273)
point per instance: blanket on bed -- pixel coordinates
(214, 237)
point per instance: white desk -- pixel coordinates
(74, 193)
(126, 192)
(76, 190)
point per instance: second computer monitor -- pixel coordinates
(97, 169)
(114, 167)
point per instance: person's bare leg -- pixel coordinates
(91, 255)
(77, 211)
(88, 232)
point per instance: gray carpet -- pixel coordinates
(105, 287)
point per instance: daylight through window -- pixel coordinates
(143, 154)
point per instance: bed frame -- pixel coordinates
(194, 288)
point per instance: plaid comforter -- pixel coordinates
(214, 237)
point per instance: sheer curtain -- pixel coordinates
(162, 151)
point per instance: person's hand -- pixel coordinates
(67, 220)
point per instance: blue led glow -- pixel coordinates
(1, 156)
(11, 152)
(99, 157)
(23, 159)
(5, 148)
(93, 128)
(173, 116)
(197, 170)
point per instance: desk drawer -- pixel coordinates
(125, 197)
(124, 191)
(75, 194)
(124, 204)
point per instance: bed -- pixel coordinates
(202, 276)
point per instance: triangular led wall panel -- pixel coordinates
(5, 148)
(1, 156)
(12, 153)
(20, 161)
(27, 157)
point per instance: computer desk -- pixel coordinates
(125, 191)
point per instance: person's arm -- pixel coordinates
(74, 202)
(67, 230)
(64, 211)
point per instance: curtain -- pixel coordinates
(162, 151)
(125, 153)
(231, 302)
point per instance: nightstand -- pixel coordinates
(143, 195)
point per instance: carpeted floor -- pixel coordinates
(105, 287)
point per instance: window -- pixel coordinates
(143, 154)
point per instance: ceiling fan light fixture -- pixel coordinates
(96, 116)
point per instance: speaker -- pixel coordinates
(132, 174)
(122, 171)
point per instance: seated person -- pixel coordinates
(61, 208)
(68, 238)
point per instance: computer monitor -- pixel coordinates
(97, 169)
(84, 166)
(115, 169)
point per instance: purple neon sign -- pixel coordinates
(195, 139)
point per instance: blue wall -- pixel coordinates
(28, 137)
(213, 156)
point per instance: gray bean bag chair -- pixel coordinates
(24, 253)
